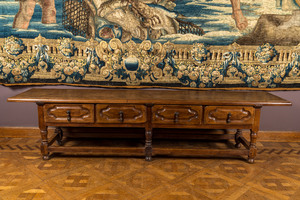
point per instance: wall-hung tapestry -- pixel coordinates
(199, 44)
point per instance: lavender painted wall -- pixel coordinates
(277, 118)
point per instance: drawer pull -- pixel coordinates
(121, 114)
(176, 117)
(228, 120)
(69, 116)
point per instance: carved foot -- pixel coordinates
(46, 157)
(148, 158)
(148, 153)
(251, 160)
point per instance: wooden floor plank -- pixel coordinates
(24, 175)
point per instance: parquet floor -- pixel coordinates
(23, 175)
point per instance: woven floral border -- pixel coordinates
(146, 64)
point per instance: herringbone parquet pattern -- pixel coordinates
(23, 175)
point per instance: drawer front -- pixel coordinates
(228, 115)
(176, 114)
(131, 114)
(69, 113)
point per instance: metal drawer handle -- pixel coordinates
(121, 115)
(69, 116)
(228, 120)
(176, 117)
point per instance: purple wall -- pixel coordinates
(273, 118)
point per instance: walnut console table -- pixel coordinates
(149, 109)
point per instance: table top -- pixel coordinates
(150, 96)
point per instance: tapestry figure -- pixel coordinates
(145, 19)
(237, 14)
(26, 10)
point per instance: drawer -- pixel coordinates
(69, 113)
(228, 115)
(176, 114)
(114, 113)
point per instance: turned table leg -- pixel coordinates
(43, 131)
(253, 135)
(237, 135)
(44, 144)
(253, 149)
(148, 135)
(148, 145)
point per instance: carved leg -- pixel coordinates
(60, 134)
(44, 144)
(237, 135)
(253, 149)
(148, 145)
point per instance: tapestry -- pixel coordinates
(189, 44)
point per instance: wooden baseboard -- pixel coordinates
(21, 132)
(276, 136)
(33, 132)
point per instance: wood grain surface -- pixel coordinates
(150, 96)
